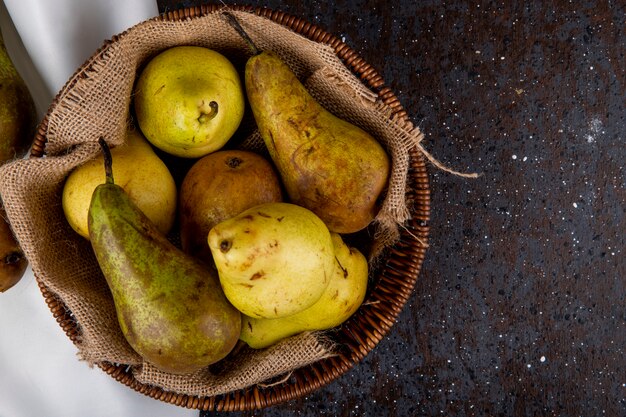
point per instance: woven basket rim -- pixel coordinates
(395, 281)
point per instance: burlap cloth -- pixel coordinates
(96, 102)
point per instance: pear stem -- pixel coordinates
(237, 26)
(108, 160)
(208, 114)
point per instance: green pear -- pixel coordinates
(273, 260)
(220, 186)
(343, 296)
(139, 171)
(169, 305)
(189, 101)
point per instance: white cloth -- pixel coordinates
(40, 373)
(59, 35)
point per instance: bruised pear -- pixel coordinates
(328, 165)
(169, 305)
(340, 300)
(273, 260)
(220, 186)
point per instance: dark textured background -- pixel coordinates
(520, 308)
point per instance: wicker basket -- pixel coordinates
(394, 279)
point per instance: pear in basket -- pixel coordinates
(169, 305)
(273, 260)
(340, 300)
(328, 165)
(139, 170)
(189, 101)
(220, 186)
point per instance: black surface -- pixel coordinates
(521, 305)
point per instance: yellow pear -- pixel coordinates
(138, 170)
(342, 298)
(189, 101)
(273, 260)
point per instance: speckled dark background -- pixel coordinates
(520, 309)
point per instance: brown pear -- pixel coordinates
(12, 260)
(328, 165)
(18, 117)
(220, 186)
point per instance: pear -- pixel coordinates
(220, 186)
(328, 165)
(139, 171)
(18, 116)
(273, 260)
(189, 101)
(12, 261)
(169, 305)
(343, 296)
